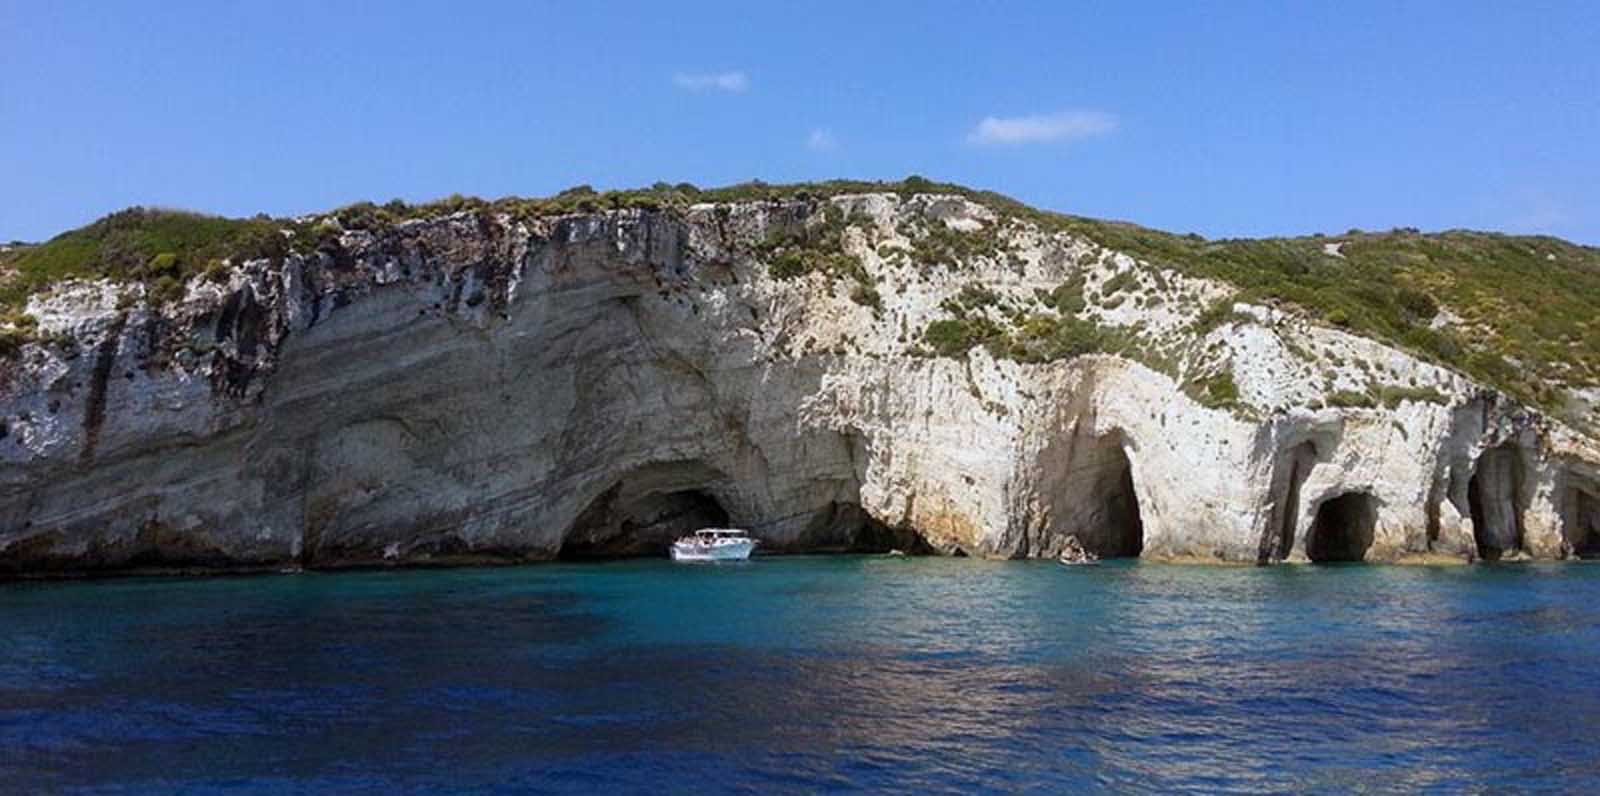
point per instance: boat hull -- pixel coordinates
(732, 551)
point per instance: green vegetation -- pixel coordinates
(1217, 391)
(1030, 337)
(20, 320)
(1392, 396)
(1217, 313)
(795, 251)
(1119, 282)
(138, 245)
(867, 296)
(956, 336)
(973, 297)
(1066, 298)
(938, 244)
(1530, 300)
(1523, 299)
(1043, 338)
(1039, 338)
(1352, 399)
(16, 328)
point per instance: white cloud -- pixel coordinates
(821, 140)
(1042, 128)
(732, 82)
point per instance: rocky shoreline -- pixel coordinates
(482, 388)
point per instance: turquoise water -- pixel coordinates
(806, 675)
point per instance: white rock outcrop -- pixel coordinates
(479, 387)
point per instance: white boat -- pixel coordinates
(714, 544)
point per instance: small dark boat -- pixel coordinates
(1073, 554)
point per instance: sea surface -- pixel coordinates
(808, 675)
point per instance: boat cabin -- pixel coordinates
(714, 534)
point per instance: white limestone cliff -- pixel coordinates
(483, 388)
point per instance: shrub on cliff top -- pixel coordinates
(955, 336)
(939, 244)
(972, 297)
(867, 296)
(1118, 282)
(1042, 338)
(796, 250)
(1392, 396)
(138, 244)
(1067, 297)
(1351, 399)
(1216, 314)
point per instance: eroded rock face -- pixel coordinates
(477, 388)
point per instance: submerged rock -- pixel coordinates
(480, 387)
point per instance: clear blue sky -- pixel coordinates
(1227, 118)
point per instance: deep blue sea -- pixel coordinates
(808, 675)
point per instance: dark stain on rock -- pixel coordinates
(154, 347)
(247, 330)
(94, 407)
(310, 543)
(456, 286)
(232, 377)
(240, 320)
(229, 314)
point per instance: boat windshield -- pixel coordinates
(718, 533)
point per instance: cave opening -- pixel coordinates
(1107, 522)
(873, 536)
(1495, 500)
(849, 528)
(1122, 513)
(1583, 532)
(1343, 528)
(640, 518)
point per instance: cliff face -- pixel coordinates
(478, 387)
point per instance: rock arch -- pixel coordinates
(645, 509)
(1343, 528)
(1496, 498)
